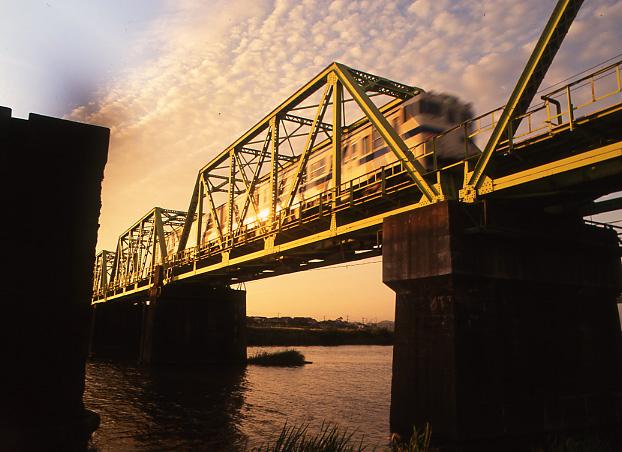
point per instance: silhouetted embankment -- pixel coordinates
(317, 336)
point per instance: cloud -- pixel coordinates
(219, 68)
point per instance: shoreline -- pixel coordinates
(296, 336)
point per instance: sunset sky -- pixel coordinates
(177, 81)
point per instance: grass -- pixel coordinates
(297, 439)
(332, 438)
(280, 358)
(418, 442)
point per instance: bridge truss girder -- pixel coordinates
(140, 247)
(285, 139)
(104, 260)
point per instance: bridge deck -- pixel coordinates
(556, 158)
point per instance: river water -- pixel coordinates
(224, 410)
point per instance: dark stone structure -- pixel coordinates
(51, 172)
(506, 324)
(183, 324)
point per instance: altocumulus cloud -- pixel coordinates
(222, 66)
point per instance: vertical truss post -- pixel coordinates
(200, 214)
(526, 87)
(128, 258)
(158, 237)
(311, 136)
(274, 169)
(116, 264)
(231, 202)
(333, 80)
(250, 185)
(104, 270)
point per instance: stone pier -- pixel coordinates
(185, 324)
(194, 324)
(506, 324)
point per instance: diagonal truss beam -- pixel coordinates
(197, 194)
(212, 207)
(250, 187)
(313, 131)
(393, 140)
(539, 62)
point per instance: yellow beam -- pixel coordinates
(528, 83)
(393, 140)
(583, 160)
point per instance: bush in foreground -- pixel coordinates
(281, 358)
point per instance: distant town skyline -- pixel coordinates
(177, 81)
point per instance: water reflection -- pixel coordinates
(165, 409)
(233, 410)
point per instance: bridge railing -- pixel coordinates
(559, 109)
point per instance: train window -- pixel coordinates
(349, 152)
(409, 112)
(376, 138)
(316, 168)
(366, 144)
(429, 107)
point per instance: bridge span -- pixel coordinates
(563, 156)
(506, 317)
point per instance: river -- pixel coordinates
(223, 410)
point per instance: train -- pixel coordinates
(363, 152)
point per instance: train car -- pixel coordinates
(364, 151)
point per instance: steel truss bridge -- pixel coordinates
(560, 151)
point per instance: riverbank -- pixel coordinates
(290, 336)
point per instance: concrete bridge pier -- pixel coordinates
(506, 324)
(194, 324)
(185, 324)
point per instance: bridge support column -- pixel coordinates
(194, 324)
(116, 329)
(506, 323)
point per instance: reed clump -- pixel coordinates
(280, 358)
(331, 438)
(419, 441)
